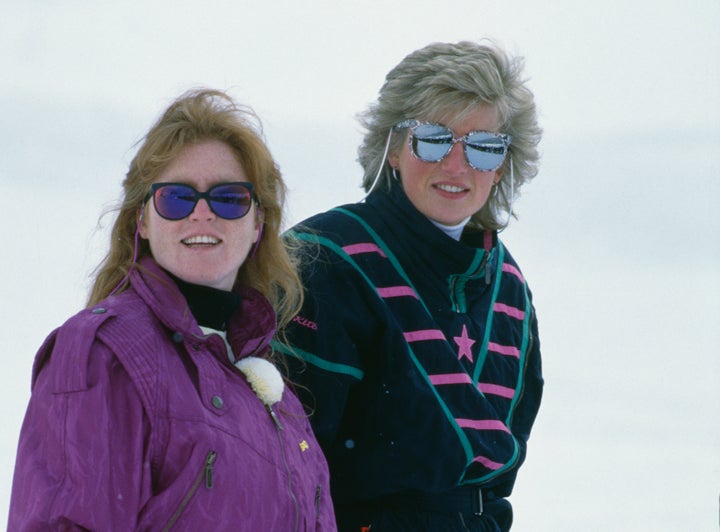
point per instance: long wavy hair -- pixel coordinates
(196, 116)
(453, 79)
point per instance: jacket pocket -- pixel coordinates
(205, 475)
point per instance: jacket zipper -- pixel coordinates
(207, 474)
(318, 492)
(455, 297)
(293, 497)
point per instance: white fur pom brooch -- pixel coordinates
(265, 380)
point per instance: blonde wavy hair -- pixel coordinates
(200, 115)
(455, 78)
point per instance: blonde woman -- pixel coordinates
(418, 337)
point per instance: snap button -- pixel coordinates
(217, 401)
(177, 337)
(349, 444)
(98, 310)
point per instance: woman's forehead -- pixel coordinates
(454, 117)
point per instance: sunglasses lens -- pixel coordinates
(431, 142)
(231, 201)
(485, 151)
(174, 202)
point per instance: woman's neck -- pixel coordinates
(210, 307)
(453, 231)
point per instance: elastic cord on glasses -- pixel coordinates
(260, 220)
(382, 164)
(511, 197)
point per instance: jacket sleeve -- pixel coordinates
(527, 409)
(81, 460)
(325, 340)
(532, 390)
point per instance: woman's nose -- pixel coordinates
(202, 211)
(455, 161)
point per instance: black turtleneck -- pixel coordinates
(210, 306)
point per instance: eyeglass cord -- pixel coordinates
(382, 164)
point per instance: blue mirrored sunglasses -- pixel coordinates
(175, 201)
(484, 150)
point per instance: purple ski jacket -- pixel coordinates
(139, 421)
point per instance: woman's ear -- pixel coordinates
(498, 176)
(259, 221)
(141, 224)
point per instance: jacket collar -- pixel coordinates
(250, 328)
(429, 244)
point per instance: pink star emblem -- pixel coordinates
(464, 343)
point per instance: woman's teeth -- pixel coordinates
(450, 188)
(201, 239)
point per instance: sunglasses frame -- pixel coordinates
(201, 195)
(413, 124)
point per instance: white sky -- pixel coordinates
(618, 235)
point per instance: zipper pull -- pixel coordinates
(487, 268)
(209, 461)
(274, 417)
